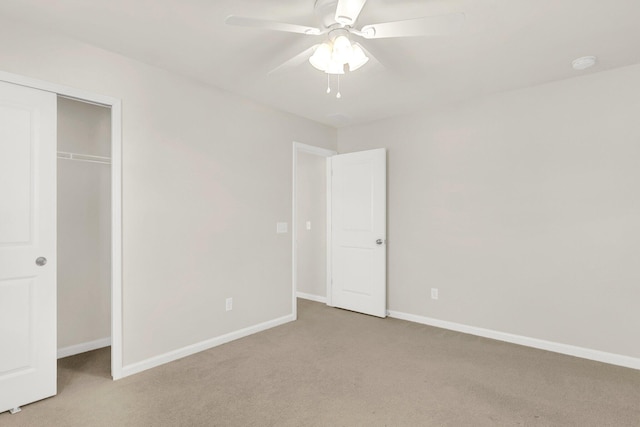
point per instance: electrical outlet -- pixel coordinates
(434, 293)
(229, 304)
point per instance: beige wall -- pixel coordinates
(311, 205)
(522, 208)
(84, 225)
(206, 176)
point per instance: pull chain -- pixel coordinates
(338, 94)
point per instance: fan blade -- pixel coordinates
(396, 63)
(299, 59)
(347, 11)
(271, 25)
(427, 26)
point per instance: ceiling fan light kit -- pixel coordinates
(333, 55)
(338, 19)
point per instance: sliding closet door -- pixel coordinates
(27, 245)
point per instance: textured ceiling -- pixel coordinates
(503, 45)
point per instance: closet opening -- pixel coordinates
(84, 235)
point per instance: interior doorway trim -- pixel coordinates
(116, 197)
(299, 147)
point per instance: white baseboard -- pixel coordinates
(316, 298)
(84, 347)
(585, 353)
(152, 362)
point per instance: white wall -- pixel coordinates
(522, 208)
(206, 176)
(311, 205)
(84, 225)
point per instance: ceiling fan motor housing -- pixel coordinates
(336, 32)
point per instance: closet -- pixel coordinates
(84, 227)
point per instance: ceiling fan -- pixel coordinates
(338, 24)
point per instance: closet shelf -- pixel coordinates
(84, 158)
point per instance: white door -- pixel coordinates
(359, 229)
(27, 233)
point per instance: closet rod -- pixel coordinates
(84, 158)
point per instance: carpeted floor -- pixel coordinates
(338, 368)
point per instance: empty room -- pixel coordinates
(319, 213)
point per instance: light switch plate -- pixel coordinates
(308, 225)
(281, 227)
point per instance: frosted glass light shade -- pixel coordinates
(358, 59)
(342, 50)
(321, 57)
(335, 68)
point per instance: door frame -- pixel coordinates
(299, 147)
(116, 197)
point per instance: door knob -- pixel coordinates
(379, 242)
(40, 261)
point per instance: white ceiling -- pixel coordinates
(504, 45)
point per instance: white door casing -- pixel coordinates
(358, 237)
(27, 232)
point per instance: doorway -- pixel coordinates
(311, 223)
(355, 232)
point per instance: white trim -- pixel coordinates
(329, 238)
(116, 197)
(83, 347)
(312, 149)
(116, 240)
(317, 151)
(62, 90)
(585, 353)
(152, 362)
(294, 246)
(310, 297)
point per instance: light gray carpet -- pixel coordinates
(337, 368)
